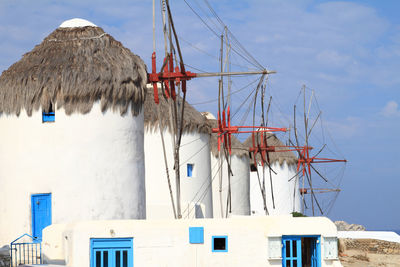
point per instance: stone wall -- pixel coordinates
(344, 226)
(370, 245)
(5, 256)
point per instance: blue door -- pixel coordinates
(291, 251)
(298, 250)
(111, 252)
(315, 253)
(41, 213)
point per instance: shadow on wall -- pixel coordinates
(47, 260)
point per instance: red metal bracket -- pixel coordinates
(170, 77)
(263, 148)
(225, 130)
(305, 160)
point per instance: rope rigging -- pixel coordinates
(172, 79)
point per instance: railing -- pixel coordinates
(26, 252)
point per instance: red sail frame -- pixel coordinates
(170, 76)
(225, 130)
(304, 161)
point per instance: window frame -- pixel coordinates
(112, 246)
(226, 243)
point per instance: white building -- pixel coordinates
(238, 241)
(71, 139)
(195, 170)
(231, 194)
(285, 185)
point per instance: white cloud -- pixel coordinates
(391, 109)
(333, 58)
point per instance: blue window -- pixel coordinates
(220, 243)
(111, 252)
(190, 167)
(196, 235)
(300, 251)
(41, 213)
(50, 115)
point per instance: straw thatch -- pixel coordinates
(281, 157)
(73, 68)
(193, 120)
(237, 148)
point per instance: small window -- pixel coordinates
(196, 235)
(111, 252)
(49, 116)
(219, 244)
(253, 168)
(190, 167)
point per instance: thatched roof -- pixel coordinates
(280, 157)
(73, 68)
(193, 120)
(237, 148)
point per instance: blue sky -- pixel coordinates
(347, 51)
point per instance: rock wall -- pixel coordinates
(344, 226)
(5, 256)
(370, 245)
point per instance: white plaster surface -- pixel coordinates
(240, 186)
(286, 193)
(76, 22)
(196, 193)
(166, 242)
(92, 164)
(380, 235)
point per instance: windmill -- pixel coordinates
(314, 180)
(171, 80)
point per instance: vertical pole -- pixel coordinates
(162, 3)
(306, 151)
(221, 81)
(172, 126)
(175, 129)
(154, 26)
(220, 183)
(165, 160)
(227, 58)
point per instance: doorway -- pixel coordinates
(301, 251)
(41, 213)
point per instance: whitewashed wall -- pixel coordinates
(92, 164)
(166, 242)
(196, 193)
(240, 186)
(286, 193)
